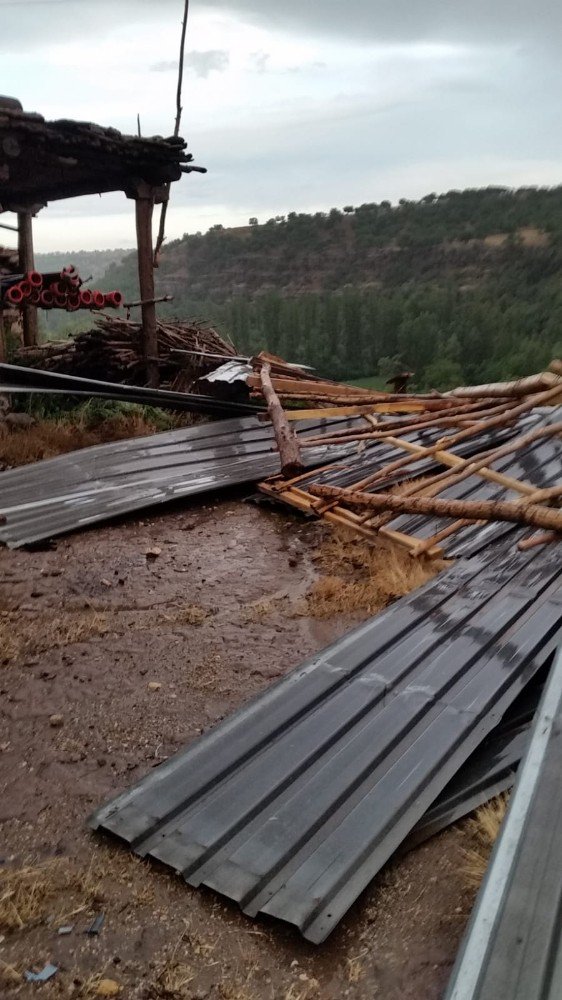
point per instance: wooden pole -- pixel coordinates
(144, 206)
(27, 263)
(474, 510)
(2, 335)
(289, 452)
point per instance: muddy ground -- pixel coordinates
(92, 626)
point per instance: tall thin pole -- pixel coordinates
(162, 227)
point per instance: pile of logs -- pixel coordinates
(112, 352)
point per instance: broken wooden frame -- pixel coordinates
(371, 513)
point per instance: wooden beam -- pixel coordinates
(289, 451)
(144, 206)
(2, 335)
(27, 263)
(520, 512)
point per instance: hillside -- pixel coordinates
(460, 286)
(88, 262)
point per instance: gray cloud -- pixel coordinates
(203, 63)
(197, 62)
(165, 66)
(370, 21)
(407, 20)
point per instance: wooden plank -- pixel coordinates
(355, 410)
(453, 461)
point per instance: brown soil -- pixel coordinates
(91, 627)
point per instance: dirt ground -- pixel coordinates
(112, 659)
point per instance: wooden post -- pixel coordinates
(2, 336)
(285, 436)
(27, 263)
(144, 206)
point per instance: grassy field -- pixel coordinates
(374, 382)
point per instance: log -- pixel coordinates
(289, 451)
(473, 510)
(519, 387)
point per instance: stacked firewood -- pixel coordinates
(112, 352)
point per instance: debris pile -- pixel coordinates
(293, 806)
(112, 351)
(62, 290)
(465, 463)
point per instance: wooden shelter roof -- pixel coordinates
(42, 161)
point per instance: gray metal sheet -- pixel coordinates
(72, 491)
(490, 770)
(513, 948)
(292, 806)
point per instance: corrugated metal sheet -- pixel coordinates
(513, 950)
(490, 770)
(15, 378)
(293, 805)
(230, 372)
(72, 491)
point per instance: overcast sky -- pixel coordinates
(295, 105)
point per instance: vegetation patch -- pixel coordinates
(364, 578)
(60, 429)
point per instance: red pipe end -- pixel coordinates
(60, 301)
(114, 299)
(35, 297)
(35, 279)
(86, 299)
(26, 288)
(14, 295)
(47, 299)
(98, 299)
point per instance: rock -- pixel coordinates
(108, 988)
(56, 720)
(106, 583)
(154, 685)
(153, 553)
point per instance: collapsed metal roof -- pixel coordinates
(291, 806)
(513, 949)
(81, 488)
